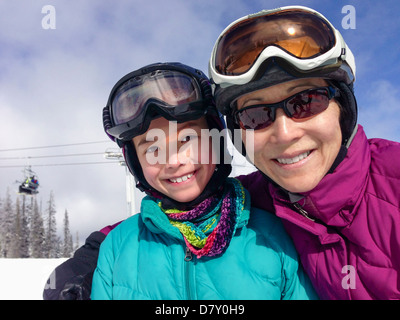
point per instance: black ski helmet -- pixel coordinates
(122, 128)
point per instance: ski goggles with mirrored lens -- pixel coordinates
(139, 98)
(301, 106)
(300, 36)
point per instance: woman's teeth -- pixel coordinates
(181, 179)
(295, 159)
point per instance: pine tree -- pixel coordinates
(67, 244)
(76, 247)
(57, 248)
(26, 210)
(20, 242)
(51, 239)
(24, 233)
(37, 235)
(7, 226)
(16, 234)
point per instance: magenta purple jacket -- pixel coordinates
(347, 229)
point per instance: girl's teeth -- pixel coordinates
(181, 179)
(295, 159)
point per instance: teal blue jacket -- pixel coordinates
(145, 257)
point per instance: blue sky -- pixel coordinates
(55, 82)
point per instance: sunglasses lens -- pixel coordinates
(255, 118)
(308, 104)
(301, 106)
(300, 33)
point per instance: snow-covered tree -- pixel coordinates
(20, 243)
(16, 229)
(7, 226)
(37, 235)
(68, 246)
(24, 232)
(51, 239)
(26, 212)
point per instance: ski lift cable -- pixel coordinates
(60, 164)
(51, 156)
(54, 146)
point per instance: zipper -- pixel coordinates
(188, 255)
(188, 259)
(302, 211)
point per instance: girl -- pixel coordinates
(196, 236)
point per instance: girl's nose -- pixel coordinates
(177, 156)
(173, 159)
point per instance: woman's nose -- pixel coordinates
(284, 129)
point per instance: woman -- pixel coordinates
(288, 75)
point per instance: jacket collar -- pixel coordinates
(158, 222)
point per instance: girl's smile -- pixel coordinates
(182, 178)
(184, 171)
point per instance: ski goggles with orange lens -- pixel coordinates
(168, 90)
(298, 35)
(301, 106)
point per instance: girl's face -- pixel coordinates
(176, 158)
(296, 154)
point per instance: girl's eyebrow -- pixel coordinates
(144, 141)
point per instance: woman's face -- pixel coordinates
(296, 154)
(176, 158)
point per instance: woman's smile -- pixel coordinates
(285, 160)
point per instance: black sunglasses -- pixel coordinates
(302, 105)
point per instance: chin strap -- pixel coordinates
(339, 158)
(343, 151)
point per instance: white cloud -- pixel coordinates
(380, 110)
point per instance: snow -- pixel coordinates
(25, 279)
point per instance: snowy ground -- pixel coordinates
(24, 279)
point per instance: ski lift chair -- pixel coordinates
(29, 186)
